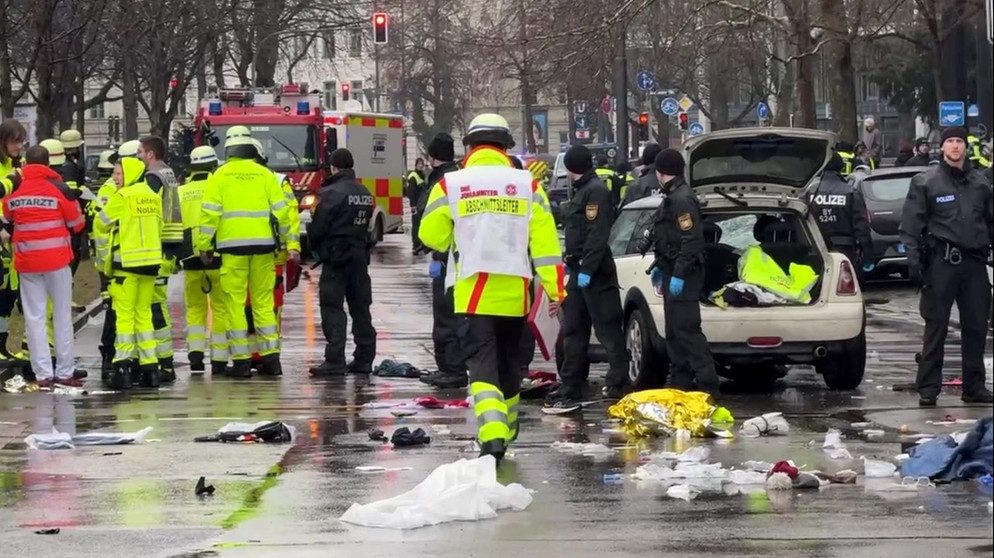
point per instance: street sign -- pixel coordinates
(973, 111)
(952, 113)
(606, 105)
(580, 107)
(580, 121)
(762, 111)
(695, 129)
(583, 134)
(686, 103)
(669, 106)
(645, 81)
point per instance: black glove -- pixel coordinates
(915, 275)
(645, 243)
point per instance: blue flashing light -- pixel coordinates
(303, 107)
(214, 108)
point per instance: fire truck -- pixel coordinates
(299, 136)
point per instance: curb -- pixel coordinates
(91, 310)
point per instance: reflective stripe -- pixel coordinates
(547, 260)
(126, 337)
(293, 238)
(207, 206)
(237, 334)
(488, 417)
(42, 226)
(209, 231)
(266, 330)
(486, 396)
(145, 336)
(47, 244)
(440, 202)
(246, 243)
(246, 214)
(537, 198)
(196, 330)
(268, 346)
(278, 205)
(104, 218)
(77, 222)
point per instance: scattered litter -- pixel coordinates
(873, 433)
(759, 466)
(112, 453)
(779, 481)
(202, 488)
(567, 426)
(16, 384)
(861, 424)
(847, 476)
(403, 437)
(260, 432)
(392, 369)
(696, 454)
(683, 492)
(613, 478)
(68, 390)
(62, 440)
(901, 458)
(466, 490)
(538, 384)
(786, 467)
(769, 424)
(376, 469)
(378, 436)
(840, 453)
(874, 469)
(441, 430)
(582, 449)
(52, 531)
(665, 412)
(857, 397)
(400, 413)
(743, 478)
(907, 484)
(833, 440)
(986, 481)
(956, 457)
(425, 402)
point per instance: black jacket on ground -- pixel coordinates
(339, 228)
(587, 224)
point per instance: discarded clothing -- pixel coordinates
(538, 385)
(429, 402)
(16, 384)
(758, 268)
(658, 412)
(740, 294)
(404, 438)
(942, 459)
(769, 424)
(466, 490)
(62, 440)
(263, 432)
(393, 369)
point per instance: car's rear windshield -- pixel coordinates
(891, 188)
(771, 159)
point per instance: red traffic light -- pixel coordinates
(684, 121)
(643, 118)
(173, 83)
(346, 88)
(380, 24)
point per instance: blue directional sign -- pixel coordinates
(581, 122)
(645, 81)
(669, 106)
(952, 113)
(763, 110)
(973, 111)
(695, 129)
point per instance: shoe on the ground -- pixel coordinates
(614, 393)
(449, 380)
(428, 378)
(927, 401)
(196, 361)
(120, 376)
(148, 375)
(496, 448)
(106, 367)
(167, 372)
(45, 383)
(241, 369)
(983, 396)
(69, 382)
(269, 365)
(219, 368)
(562, 401)
(360, 368)
(326, 369)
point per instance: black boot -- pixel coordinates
(449, 380)
(167, 373)
(120, 375)
(326, 369)
(196, 361)
(983, 396)
(495, 448)
(106, 366)
(149, 375)
(219, 368)
(270, 365)
(360, 368)
(241, 369)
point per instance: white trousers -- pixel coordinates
(36, 290)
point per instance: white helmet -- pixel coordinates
(203, 155)
(56, 152)
(489, 128)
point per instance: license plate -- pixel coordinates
(900, 248)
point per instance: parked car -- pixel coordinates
(752, 185)
(884, 191)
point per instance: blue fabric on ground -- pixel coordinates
(941, 459)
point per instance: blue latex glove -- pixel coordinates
(676, 286)
(583, 280)
(435, 269)
(656, 277)
(868, 267)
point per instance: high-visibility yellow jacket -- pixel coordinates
(244, 210)
(489, 293)
(977, 154)
(7, 184)
(101, 241)
(133, 220)
(293, 213)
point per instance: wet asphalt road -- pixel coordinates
(285, 500)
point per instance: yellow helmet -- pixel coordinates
(489, 128)
(71, 139)
(203, 155)
(128, 149)
(105, 160)
(56, 153)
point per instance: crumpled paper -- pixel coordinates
(768, 424)
(16, 384)
(662, 412)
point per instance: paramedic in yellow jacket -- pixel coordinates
(202, 281)
(498, 220)
(133, 221)
(245, 218)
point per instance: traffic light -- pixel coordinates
(643, 126)
(380, 24)
(684, 121)
(346, 88)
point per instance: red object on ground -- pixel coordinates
(955, 382)
(544, 376)
(785, 467)
(429, 402)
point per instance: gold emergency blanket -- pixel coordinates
(662, 412)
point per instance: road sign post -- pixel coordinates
(952, 113)
(645, 81)
(762, 112)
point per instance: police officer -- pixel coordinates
(947, 225)
(679, 270)
(592, 295)
(450, 358)
(841, 215)
(647, 184)
(415, 189)
(499, 221)
(610, 179)
(340, 233)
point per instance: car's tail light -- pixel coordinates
(764, 342)
(847, 280)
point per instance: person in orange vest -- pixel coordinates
(42, 216)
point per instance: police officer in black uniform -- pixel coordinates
(340, 232)
(647, 183)
(679, 269)
(841, 214)
(592, 295)
(611, 179)
(947, 224)
(449, 355)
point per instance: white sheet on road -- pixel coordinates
(466, 490)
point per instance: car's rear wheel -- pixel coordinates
(647, 369)
(844, 370)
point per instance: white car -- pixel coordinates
(750, 183)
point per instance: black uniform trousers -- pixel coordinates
(340, 282)
(686, 346)
(415, 226)
(966, 285)
(492, 352)
(109, 332)
(450, 358)
(597, 305)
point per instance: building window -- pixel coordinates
(330, 95)
(98, 112)
(329, 45)
(869, 90)
(181, 106)
(355, 43)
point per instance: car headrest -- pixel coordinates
(772, 229)
(712, 233)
